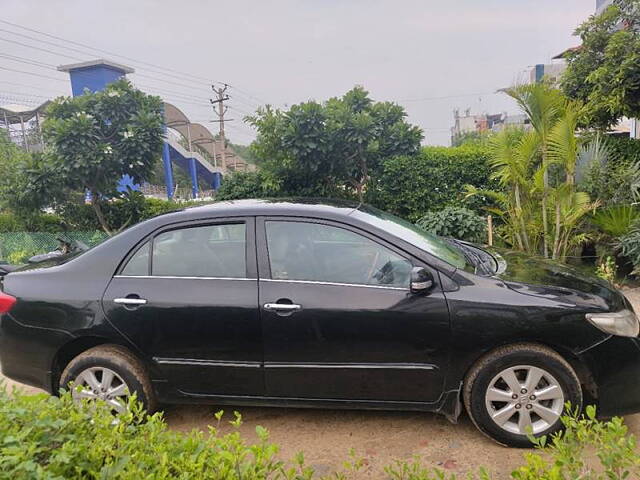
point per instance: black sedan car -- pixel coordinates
(321, 304)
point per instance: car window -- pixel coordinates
(323, 253)
(207, 251)
(138, 265)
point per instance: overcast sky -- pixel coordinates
(287, 51)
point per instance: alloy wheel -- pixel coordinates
(524, 400)
(100, 383)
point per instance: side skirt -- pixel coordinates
(448, 404)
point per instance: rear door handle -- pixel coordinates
(282, 307)
(130, 301)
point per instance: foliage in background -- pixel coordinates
(121, 212)
(540, 205)
(43, 222)
(50, 437)
(629, 246)
(256, 184)
(471, 138)
(410, 186)
(607, 269)
(609, 169)
(616, 220)
(17, 247)
(604, 73)
(334, 148)
(457, 222)
(11, 156)
(92, 141)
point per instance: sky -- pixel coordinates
(429, 56)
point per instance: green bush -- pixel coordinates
(629, 245)
(18, 247)
(45, 437)
(411, 186)
(35, 223)
(241, 185)
(624, 148)
(456, 222)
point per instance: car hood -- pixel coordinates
(540, 277)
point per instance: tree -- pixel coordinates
(523, 163)
(604, 73)
(332, 148)
(542, 105)
(96, 138)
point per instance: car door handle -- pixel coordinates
(282, 307)
(130, 301)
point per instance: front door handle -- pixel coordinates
(130, 301)
(282, 307)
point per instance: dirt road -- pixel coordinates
(326, 436)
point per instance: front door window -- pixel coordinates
(324, 253)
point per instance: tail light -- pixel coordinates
(6, 302)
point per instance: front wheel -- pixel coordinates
(518, 390)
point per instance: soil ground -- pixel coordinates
(326, 436)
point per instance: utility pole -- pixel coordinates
(220, 111)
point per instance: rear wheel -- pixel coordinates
(518, 390)
(110, 373)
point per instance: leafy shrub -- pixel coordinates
(616, 220)
(241, 185)
(573, 453)
(456, 222)
(629, 245)
(34, 223)
(614, 182)
(119, 213)
(51, 437)
(409, 186)
(607, 269)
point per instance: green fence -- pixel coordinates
(17, 247)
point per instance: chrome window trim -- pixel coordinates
(171, 277)
(206, 363)
(315, 282)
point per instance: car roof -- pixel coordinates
(275, 206)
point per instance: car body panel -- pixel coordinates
(435, 336)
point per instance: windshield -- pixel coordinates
(416, 236)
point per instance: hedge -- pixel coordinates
(411, 186)
(119, 213)
(45, 437)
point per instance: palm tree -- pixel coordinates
(570, 206)
(542, 105)
(513, 152)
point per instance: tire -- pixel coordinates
(487, 394)
(126, 372)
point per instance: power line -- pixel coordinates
(32, 73)
(23, 85)
(89, 47)
(40, 49)
(85, 46)
(425, 99)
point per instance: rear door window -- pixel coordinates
(204, 251)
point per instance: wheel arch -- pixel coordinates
(581, 368)
(72, 349)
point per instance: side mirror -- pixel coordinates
(421, 280)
